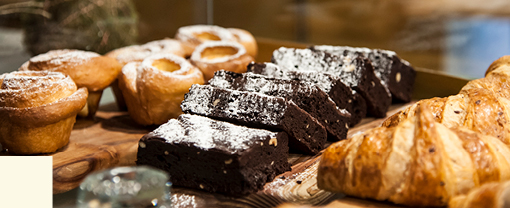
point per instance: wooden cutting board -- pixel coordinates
(111, 139)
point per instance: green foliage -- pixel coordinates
(94, 25)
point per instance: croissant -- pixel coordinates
(38, 111)
(419, 162)
(489, 195)
(430, 152)
(482, 105)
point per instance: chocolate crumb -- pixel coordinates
(432, 150)
(299, 181)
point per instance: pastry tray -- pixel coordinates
(111, 140)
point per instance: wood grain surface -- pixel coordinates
(110, 140)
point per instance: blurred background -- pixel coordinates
(457, 37)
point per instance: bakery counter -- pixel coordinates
(111, 139)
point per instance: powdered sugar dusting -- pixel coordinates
(206, 133)
(181, 73)
(382, 60)
(140, 52)
(59, 57)
(26, 88)
(324, 81)
(188, 33)
(180, 200)
(257, 83)
(307, 60)
(236, 105)
(197, 54)
(242, 35)
(339, 65)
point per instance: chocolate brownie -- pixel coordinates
(308, 97)
(396, 74)
(215, 156)
(257, 110)
(353, 70)
(341, 94)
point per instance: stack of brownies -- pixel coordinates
(237, 131)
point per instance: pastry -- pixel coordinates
(308, 97)
(256, 110)
(155, 88)
(489, 195)
(87, 69)
(342, 95)
(215, 156)
(246, 39)
(38, 111)
(194, 35)
(430, 152)
(213, 56)
(419, 162)
(396, 74)
(353, 70)
(137, 53)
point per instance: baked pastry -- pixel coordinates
(430, 152)
(87, 69)
(194, 35)
(137, 53)
(38, 111)
(246, 39)
(489, 195)
(500, 62)
(419, 162)
(342, 95)
(213, 56)
(396, 74)
(256, 110)
(155, 88)
(353, 70)
(309, 98)
(215, 156)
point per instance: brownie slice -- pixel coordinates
(354, 71)
(308, 97)
(257, 110)
(341, 94)
(395, 73)
(215, 156)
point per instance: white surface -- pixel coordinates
(26, 177)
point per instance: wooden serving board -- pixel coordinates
(111, 139)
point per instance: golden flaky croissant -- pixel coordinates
(418, 162)
(430, 152)
(489, 195)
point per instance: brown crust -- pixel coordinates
(440, 148)
(45, 124)
(246, 39)
(94, 72)
(136, 53)
(189, 36)
(153, 96)
(48, 113)
(236, 63)
(504, 60)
